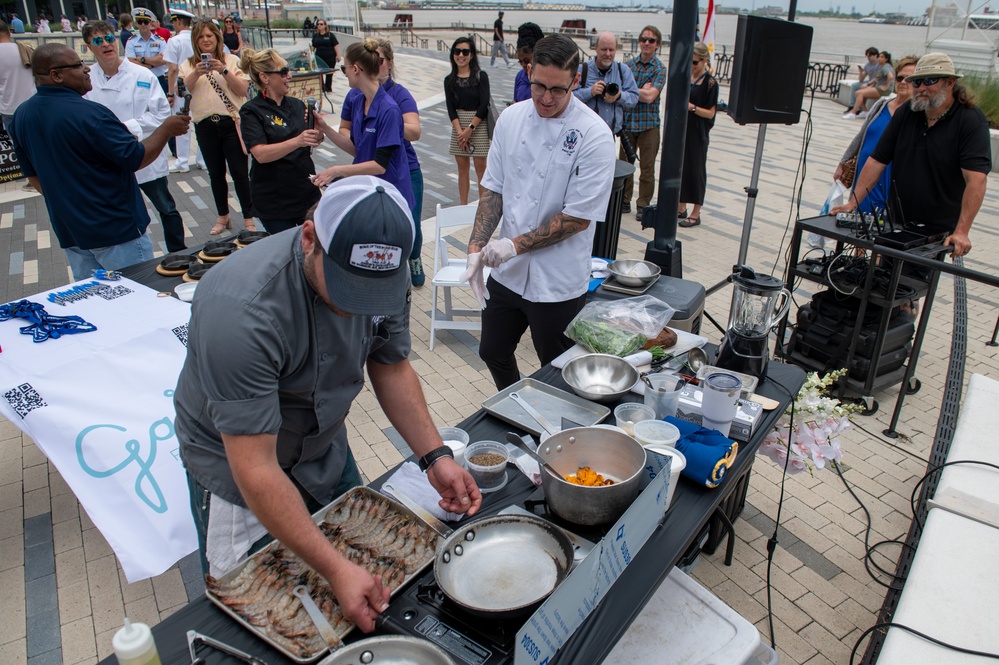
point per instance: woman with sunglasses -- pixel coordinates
(231, 36)
(327, 49)
(411, 132)
(702, 104)
(881, 85)
(280, 144)
(218, 88)
(467, 91)
(376, 129)
(874, 125)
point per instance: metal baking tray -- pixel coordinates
(319, 518)
(611, 283)
(552, 403)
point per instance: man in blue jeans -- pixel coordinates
(83, 160)
(135, 97)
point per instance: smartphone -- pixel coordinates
(205, 57)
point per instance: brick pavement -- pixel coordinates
(65, 594)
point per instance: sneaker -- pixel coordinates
(180, 169)
(850, 116)
(639, 213)
(416, 272)
(862, 115)
(509, 64)
(626, 207)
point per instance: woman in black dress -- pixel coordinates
(702, 106)
(231, 36)
(325, 45)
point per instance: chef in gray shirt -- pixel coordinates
(280, 335)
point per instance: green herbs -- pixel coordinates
(600, 337)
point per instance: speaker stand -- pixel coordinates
(751, 192)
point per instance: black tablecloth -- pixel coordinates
(692, 507)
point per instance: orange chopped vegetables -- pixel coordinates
(587, 477)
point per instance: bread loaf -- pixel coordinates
(665, 339)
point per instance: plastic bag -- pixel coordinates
(619, 327)
(838, 195)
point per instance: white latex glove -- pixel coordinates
(473, 275)
(498, 252)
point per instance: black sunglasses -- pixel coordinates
(461, 51)
(648, 40)
(918, 83)
(280, 72)
(142, 21)
(697, 62)
(343, 68)
(901, 79)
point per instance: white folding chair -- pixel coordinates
(447, 275)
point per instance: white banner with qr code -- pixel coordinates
(100, 406)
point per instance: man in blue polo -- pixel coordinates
(16, 24)
(91, 195)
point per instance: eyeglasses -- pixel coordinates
(462, 51)
(918, 83)
(78, 65)
(142, 21)
(901, 79)
(557, 92)
(697, 62)
(280, 72)
(97, 41)
(648, 40)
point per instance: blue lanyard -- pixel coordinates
(43, 325)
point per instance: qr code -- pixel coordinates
(181, 333)
(113, 292)
(24, 399)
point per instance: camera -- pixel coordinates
(611, 89)
(629, 150)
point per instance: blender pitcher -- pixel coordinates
(759, 302)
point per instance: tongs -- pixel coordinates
(194, 638)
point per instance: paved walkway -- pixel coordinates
(64, 594)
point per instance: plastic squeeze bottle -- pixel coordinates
(134, 645)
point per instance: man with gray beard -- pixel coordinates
(938, 146)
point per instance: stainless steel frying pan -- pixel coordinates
(500, 566)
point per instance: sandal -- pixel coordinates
(221, 224)
(682, 215)
(249, 224)
(690, 222)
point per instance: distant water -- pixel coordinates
(832, 39)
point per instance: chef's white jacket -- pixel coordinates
(543, 166)
(136, 98)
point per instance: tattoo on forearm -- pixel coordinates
(487, 218)
(555, 230)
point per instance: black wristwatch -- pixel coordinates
(143, 60)
(428, 460)
(225, 70)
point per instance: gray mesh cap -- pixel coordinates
(366, 231)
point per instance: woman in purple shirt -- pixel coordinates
(527, 36)
(411, 132)
(376, 130)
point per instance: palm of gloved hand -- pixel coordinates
(498, 252)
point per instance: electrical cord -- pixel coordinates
(892, 624)
(772, 541)
(938, 469)
(794, 212)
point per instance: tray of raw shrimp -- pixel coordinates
(370, 529)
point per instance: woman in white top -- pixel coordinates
(218, 88)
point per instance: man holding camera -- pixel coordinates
(609, 88)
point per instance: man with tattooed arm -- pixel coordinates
(549, 176)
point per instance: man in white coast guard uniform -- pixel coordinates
(549, 177)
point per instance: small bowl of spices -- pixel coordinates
(486, 461)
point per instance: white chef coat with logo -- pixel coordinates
(541, 167)
(136, 98)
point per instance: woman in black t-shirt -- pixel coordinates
(324, 43)
(466, 89)
(277, 137)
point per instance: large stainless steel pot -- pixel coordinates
(612, 454)
(500, 566)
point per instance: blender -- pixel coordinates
(755, 299)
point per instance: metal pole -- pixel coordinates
(681, 53)
(751, 192)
